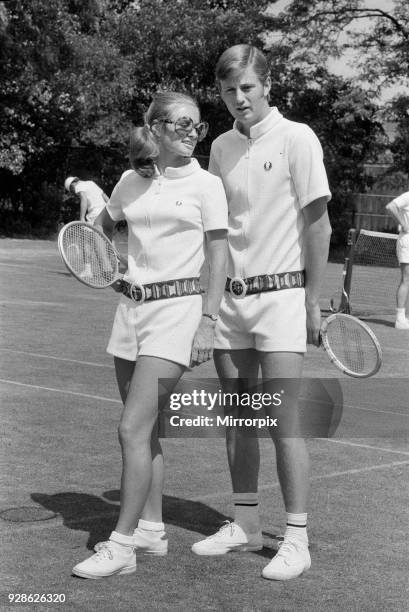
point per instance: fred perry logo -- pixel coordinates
(267, 166)
(179, 203)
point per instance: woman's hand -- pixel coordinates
(203, 342)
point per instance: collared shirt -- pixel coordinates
(167, 216)
(95, 200)
(400, 208)
(268, 179)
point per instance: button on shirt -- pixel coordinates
(167, 216)
(268, 179)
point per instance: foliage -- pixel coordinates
(316, 29)
(399, 111)
(75, 74)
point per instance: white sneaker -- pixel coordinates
(291, 560)
(146, 542)
(229, 538)
(402, 324)
(112, 558)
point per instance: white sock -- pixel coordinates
(400, 314)
(120, 538)
(151, 525)
(246, 511)
(297, 526)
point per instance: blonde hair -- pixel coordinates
(143, 145)
(237, 58)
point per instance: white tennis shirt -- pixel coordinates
(268, 179)
(93, 193)
(167, 216)
(400, 207)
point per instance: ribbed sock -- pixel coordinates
(246, 511)
(297, 526)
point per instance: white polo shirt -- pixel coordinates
(167, 216)
(268, 179)
(400, 207)
(95, 201)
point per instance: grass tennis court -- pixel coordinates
(61, 467)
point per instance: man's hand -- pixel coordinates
(313, 322)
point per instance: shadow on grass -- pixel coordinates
(98, 515)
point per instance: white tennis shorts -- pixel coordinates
(160, 328)
(402, 247)
(273, 321)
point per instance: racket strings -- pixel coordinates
(352, 346)
(89, 255)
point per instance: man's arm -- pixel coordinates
(317, 233)
(392, 209)
(83, 206)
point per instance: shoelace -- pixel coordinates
(287, 546)
(227, 525)
(104, 552)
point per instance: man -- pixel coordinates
(279, 233)
(92, 198)
(399, 210)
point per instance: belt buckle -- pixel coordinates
(238, 287)
(133, 289)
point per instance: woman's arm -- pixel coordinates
(216, 247)
(105, 222)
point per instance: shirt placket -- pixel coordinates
(153, 201)
(246, 223)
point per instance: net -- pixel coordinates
(88, 254)
(373, 274)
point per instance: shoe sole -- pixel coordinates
(152, 553)
(124, 570)
(240, 548)
(284, 577)
(144, 551)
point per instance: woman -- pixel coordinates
(161, 326)
(279, 232)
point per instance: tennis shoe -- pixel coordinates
(146, 542)
(291, 560)
(229, 538)
(112, 558)
(404, 324)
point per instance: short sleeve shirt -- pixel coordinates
(268, 178)
(167, 216)
(94, 196)
(400, 208)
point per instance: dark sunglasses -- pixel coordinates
(184, 125)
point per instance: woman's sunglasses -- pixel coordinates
(184, 125)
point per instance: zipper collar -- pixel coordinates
(264, 126)
(182, 171)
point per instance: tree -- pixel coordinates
(76, 74)
(315, 30)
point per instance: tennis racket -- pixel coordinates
(89, 255)
(351, 345)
